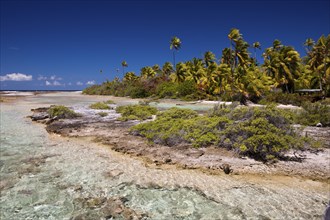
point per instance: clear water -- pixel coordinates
(43, 175)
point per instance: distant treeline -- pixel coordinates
(237, 75)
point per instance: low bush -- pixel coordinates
(100, 105)
(260, 133)
(312, 114)
(167, 90)
(284, 98)
(109, 102)
(102, 114)
(61, 111)
(174, 113)
(136, 112)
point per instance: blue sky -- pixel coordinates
(65, 44)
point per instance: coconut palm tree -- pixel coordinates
(130, 76)
(256, 45)
(309, 43)
(124, 64)
(176, 45)
(234, 36)
(147, 72)
(282, 63)
(319, 62)
(167, 69)
(196, 69)
(209, 58)
(182, 71)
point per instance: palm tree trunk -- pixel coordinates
(174, 60)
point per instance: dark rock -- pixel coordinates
(39, 116)
(226, 168)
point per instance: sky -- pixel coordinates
(63, 45)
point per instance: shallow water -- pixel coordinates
(43, 176)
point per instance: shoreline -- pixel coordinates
(115, 135)
(84, 171)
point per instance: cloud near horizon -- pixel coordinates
(40, 77)
(16, 77)
(91, 82)
(79, 83)
(55, 83)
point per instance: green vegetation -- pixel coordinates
(235, 76)
(102, 114)
(109, 102)
(100, 105)
(261, 133)
(61, 111)
(135, 112)
(312, 114)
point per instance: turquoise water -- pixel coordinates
(43, 176)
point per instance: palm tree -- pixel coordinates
(234, 35)
(309, 43)
(209, 58)
(282, 63)
(256, 45)
(130, 76)
(124, 64)
(167, 69)
(147, 72)
(196, 70)
(182, 71)
(319, 62)
(176, 45)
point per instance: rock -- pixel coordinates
(226, 168)
(51, 120)
(39, 116)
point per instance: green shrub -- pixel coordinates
(102, 114)
(198, 131)
(136, 112)
(167, 90)
(284, 98)
(260, 133)
(109, 102)
(174, 112)
(100, 105)
(312, 114)
(61, 111)
(186, 88)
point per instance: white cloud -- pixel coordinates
(79, 83)
(56, 83)
(16, 77)
(48, 83)
(54, 77)
(69, 84)
(40, 77)
(90, 82)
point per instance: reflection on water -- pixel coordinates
(48, 177)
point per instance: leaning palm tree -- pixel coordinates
(124, 64)
(176, 45)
